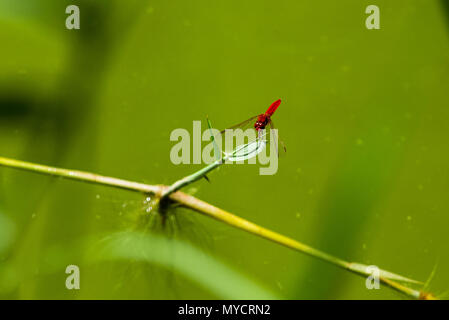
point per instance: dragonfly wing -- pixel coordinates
(241, 124)
(279, 139)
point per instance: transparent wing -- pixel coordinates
(271, 124)
(241, 124)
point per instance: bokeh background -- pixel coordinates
(364, 117)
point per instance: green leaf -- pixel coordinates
(201, 268)
(247, 151)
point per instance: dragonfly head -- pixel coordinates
(262, 121)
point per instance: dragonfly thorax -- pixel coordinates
(261, 122)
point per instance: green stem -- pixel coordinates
(202, 172)
(79, 175)
(191, 178)
(213, 212)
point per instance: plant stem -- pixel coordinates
(201, 173)
(213, 212)
(191, 178)
(80, 175)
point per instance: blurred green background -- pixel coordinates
(364, 117)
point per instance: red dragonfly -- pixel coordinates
(262, 121)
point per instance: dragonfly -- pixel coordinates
(261, 122)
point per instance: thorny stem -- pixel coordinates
(213, 212)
